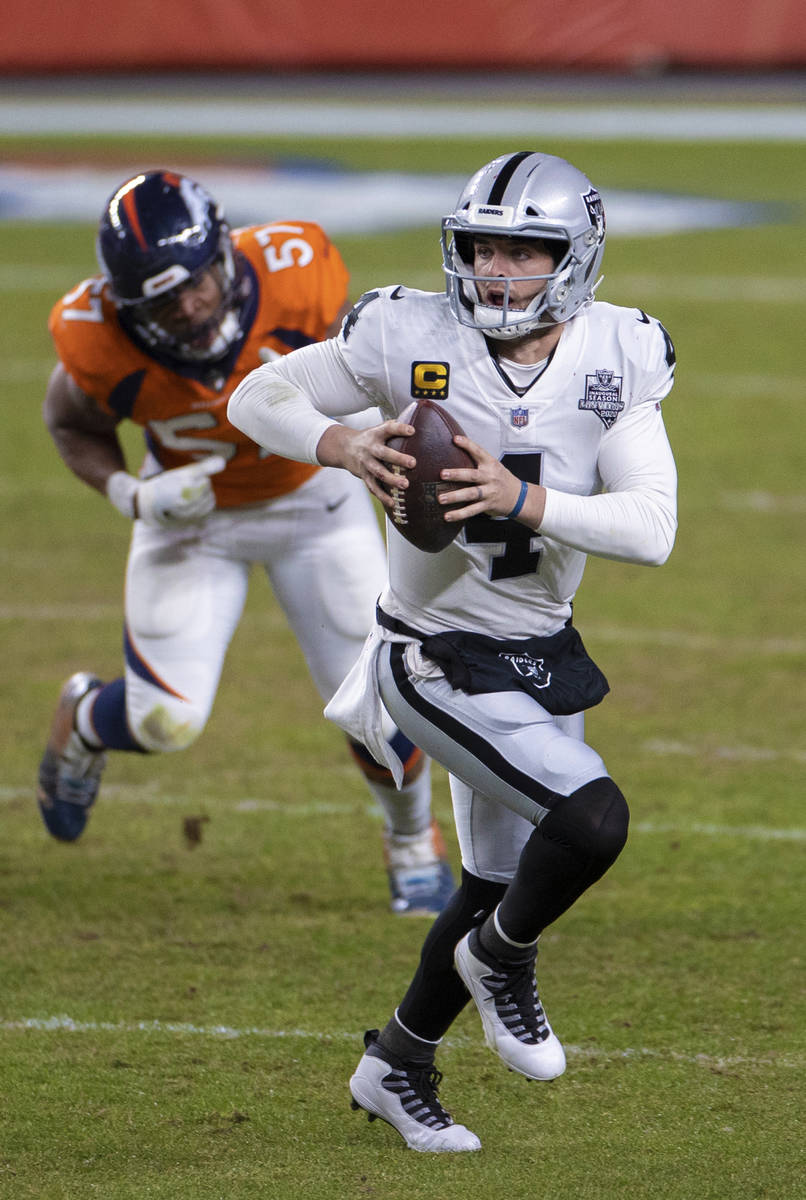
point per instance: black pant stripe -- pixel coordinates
(468, 739)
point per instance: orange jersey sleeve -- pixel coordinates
(296, 283)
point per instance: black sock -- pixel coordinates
(436, 994)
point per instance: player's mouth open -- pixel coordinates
(494, 299)
(199, 335)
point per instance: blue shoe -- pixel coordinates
(420, 878)
(70, 770)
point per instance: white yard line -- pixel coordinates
(622, 635)
(60, 612)
(763, 502)
(698, 642)
(65, 1024)
(151, 794)
(731, 289)
(760, 833)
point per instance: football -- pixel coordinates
(417, 514)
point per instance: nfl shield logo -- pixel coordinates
(519, 417)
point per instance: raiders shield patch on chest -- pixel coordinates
(603, 396)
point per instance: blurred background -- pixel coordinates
(634, 37)
(181, 1021)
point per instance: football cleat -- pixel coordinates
(70, 770)
(515, 1025)
(405, 1096)
(420, 878)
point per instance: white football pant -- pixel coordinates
(323, 553)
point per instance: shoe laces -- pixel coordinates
(416, 1088)
(517, 1002)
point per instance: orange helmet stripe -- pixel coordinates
(130, 208)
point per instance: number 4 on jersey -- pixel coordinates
(518, 556)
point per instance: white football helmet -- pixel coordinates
(526, 195)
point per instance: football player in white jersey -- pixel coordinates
(474, 654)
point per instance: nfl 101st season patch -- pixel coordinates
(603, 396)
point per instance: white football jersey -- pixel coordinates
(611, 368)
(589, 429)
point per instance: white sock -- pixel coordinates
(407, 812)
(83, 720)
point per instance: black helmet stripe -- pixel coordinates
(504, 175)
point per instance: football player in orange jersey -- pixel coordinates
(183, 310)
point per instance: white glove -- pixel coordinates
(177, 497)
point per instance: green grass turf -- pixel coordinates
(181, 1022)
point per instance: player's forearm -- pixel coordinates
(333, 447)
(92, 456)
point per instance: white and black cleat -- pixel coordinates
(515, 1025)
(405, 1096)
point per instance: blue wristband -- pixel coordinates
(520, 501)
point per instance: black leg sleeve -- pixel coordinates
(436, 994)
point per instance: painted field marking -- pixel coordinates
(752, 754)
(730, 289)
(761, 833)
(65, 1024)
(627, 636)
(150, 794)
(59, 612)
(699, 642)
(763, 502)
(26, 370)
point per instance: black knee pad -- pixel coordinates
(593, 821)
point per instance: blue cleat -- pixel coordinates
(70, 770)
(420, 878)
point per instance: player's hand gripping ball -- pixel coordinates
(416, 513)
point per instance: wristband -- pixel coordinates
(121, 490)
(520, 501)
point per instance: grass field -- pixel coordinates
(180, 1022)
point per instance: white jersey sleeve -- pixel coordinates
(286, 405)
(634, 516)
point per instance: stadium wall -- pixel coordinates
(51, 37)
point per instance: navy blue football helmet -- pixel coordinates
(160, 232)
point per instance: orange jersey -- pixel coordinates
(299, 283)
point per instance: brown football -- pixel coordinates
(416, 513)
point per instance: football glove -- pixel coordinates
(172, 498)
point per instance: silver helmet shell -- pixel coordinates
(526, 195)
